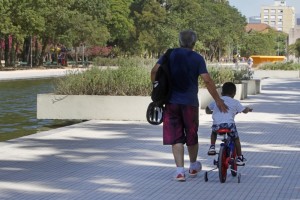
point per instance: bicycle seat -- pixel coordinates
(223, 131)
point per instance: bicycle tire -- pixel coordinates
(222, 164)
(233, 164)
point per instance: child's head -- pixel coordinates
(228, 89)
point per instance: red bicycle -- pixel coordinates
(226, 157)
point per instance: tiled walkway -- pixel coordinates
(126, 160)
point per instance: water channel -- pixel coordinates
(18, 108)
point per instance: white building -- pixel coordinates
(279, 16)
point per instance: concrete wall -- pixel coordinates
(88, 107)
(275, 74)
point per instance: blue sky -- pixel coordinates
(252, 7)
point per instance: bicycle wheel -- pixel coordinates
(233, 164)
(222, 164)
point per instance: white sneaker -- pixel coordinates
(241, 161)
(180, 177)
(212, 150)
(194, 171)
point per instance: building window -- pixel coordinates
(272, 23)
(273, 17)
(280, 11)
(266, 10)
(279, 17)
(279, 24)
(266, 22)
(266, 17)
(279, 28)
(273, 11)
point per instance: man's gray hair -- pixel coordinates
(187, 39)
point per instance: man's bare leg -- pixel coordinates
(178, 153)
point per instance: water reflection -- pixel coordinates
(18, 108)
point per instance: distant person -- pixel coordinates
(250, 63)
(226, 120)
(181, 114)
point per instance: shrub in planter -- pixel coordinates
(241, 75)
(280, 66)
(219, 75)
(110, 94)
(123, 81)
(120, 61)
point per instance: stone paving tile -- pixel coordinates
(126, 160)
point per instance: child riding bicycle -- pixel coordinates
(226, 120)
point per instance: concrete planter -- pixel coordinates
(253, 86)
(258, 85)
(87, 107)
(205, 98)
(241, 91)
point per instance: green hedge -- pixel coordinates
(125, 81)
(280, 66)
(220, 75)
(130, 78)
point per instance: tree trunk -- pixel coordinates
(43, 52)
(1, 56)
(13, 53)
(36, 52)
(26, 50)
(6, 51)
(76, 57)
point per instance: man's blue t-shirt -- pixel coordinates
(185, 66)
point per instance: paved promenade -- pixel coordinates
(106, 160)
(36, 73)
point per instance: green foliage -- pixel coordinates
(220, 75)
(280, 66)
(131, 27)
(126, 80)
(120, 24)
(120, 61)
(257, 43)
(242, 74)
(297, 48)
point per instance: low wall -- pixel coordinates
(87, 107)
(276, 74)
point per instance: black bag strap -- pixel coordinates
(167, 55)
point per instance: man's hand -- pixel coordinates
(222, 106)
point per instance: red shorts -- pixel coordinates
(180, 124)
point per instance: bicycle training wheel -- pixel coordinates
(233, 165)
(222, 164)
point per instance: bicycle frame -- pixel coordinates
(226, 157)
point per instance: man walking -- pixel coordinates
(181, 114)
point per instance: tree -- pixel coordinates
(297, 48)
(120, 25)
(28, 22)
(149, 17)
(258, 43)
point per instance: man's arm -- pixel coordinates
(211, 87)
(153, 72)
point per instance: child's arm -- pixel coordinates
(247, 109)
(208, 111)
